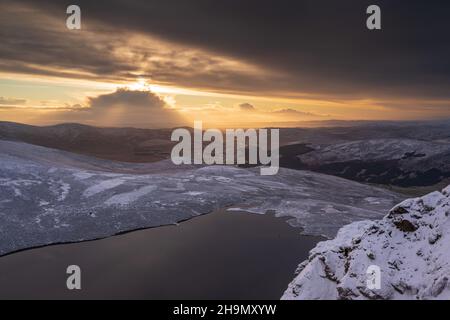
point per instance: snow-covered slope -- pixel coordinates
(375, 150)
(411, 246)
(51, 196)
(402, 162)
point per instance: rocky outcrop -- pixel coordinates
(410, 247)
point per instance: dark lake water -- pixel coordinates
(221, 255)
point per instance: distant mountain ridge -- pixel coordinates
(405, 154)
(121, 144)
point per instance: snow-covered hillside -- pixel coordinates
(410, 246)
(51, 196)
(403, 162)
(376, 150)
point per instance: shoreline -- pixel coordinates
(225, 255)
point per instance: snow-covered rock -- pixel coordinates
(410, 246)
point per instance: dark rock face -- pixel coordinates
(405, 226)
(399, 210)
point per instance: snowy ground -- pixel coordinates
(401, 162)
(376, 150)
(410, 246)
(49, 196)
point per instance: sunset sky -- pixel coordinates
(167, 63)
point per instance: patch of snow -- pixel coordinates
(372, 200)
(64, 190)
(83, 175)
(43, 203)
(193, 193)
(129, 197)
(102, 186)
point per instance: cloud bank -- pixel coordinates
(137, 108)
(292, 49)
(12, 101)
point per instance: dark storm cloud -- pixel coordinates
(319, 46)
(31, 41)
(35, 40)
